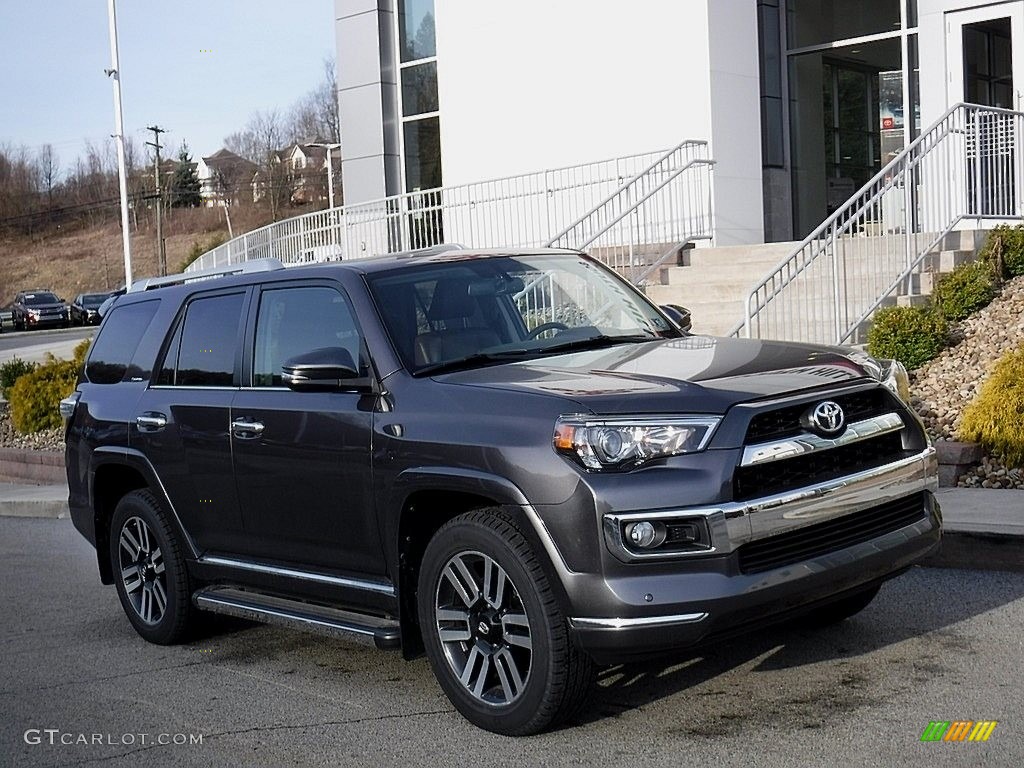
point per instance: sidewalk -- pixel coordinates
(984, 528)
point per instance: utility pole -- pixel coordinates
(115, 72)
(161, 253)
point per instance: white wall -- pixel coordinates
(936, 68)
(536, 84)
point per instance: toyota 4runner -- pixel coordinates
(511, 461)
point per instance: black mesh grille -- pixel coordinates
(816, 540)
(785, 422)
(787, 474)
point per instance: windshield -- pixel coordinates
(37, 299)
(486, 310)
(93, 300)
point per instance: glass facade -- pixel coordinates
(421, 133)
(853, 99)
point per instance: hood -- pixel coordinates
(48, 307)
(697, 374)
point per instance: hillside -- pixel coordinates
(90, 258)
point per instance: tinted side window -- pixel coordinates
(209, 342)
(114, 348)
(293, 321)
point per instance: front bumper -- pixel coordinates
(647, 607)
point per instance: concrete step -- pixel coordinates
(769, 254)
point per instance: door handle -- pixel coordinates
(151, 421)
(244, 429)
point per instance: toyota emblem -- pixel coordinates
(827, 418)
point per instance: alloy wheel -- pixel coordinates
(142, 570)
(483, 628)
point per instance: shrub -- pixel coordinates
(34, 396)
(199, 247)
(11, 371)
(1004, 250)
(965, 290)
(912, 335)
(81, 350)
(995, 418)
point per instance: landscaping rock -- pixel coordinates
(942, 387)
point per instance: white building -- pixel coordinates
(802, 101)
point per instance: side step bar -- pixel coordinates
(270, 609)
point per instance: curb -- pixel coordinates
(54, 510)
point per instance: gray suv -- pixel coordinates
(511, 461)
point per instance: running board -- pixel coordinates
(269, 609)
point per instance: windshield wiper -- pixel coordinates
(473, 360)
(596, 342)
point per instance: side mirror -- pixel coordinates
(678, 315)
(327, 368)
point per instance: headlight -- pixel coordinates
(618, 443)
(891, 373)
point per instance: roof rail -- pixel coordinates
(433, 250)
(241, 268)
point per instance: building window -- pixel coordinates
(422, 154)
(421, 135)
(419, 89)
(416, 29)
(772, 137)
(813, 22)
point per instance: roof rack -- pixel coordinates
(433, 250)
(242, 268)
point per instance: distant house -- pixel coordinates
(304, 165)
(225, 178)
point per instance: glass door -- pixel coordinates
(985, 55)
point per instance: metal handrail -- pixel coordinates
(633, 202)
(966, 166)
(617, 193)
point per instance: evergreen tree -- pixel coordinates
(184, 188)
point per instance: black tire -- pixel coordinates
(557, 674)
(176, 616)
(840, 610)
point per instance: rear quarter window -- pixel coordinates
(111, 356)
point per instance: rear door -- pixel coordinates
(302, 459)
(183, 420)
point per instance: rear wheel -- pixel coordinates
(149, 570)
(842, 609)
(495, 637)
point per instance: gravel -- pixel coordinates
(942, 387)
(47, 440)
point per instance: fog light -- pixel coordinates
(645, 534)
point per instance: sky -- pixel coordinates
(196, 67)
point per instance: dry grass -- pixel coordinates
(91, 258)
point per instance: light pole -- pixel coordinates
(115, 73)
(330, 171)
(330, 189)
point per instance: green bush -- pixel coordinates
(11, 371)
(199, 247)
(81, 350)
(965, 290)
(34, 396)
(1004, 249)
(912, 335)
(995, 418)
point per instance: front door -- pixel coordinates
(302, 459)
(985, 55)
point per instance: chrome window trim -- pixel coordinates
(194, 387)
(735, 523)
(802, 445)
(294, 573)
(616, 623)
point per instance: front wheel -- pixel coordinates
(496, 639)
(149, 570)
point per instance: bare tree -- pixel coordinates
(49, 171)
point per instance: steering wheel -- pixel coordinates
(546, 327)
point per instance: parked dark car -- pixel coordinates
(85, 308)
(39, 309)
(511, 461)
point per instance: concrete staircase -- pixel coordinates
(713, 283)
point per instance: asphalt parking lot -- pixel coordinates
(936, 645)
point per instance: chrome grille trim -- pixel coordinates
(777, 450)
